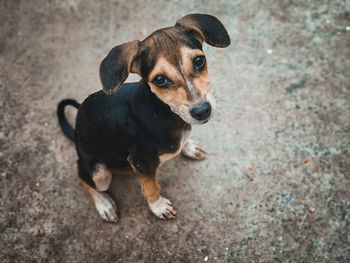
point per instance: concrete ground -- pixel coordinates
(283, 92)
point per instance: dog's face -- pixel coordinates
(176, 70)
(172, 62)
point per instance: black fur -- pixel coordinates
(213, 30)
(66, 127)
(116, 66)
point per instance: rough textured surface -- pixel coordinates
(283, 93)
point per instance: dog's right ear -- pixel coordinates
(115, 68)
(207, 27)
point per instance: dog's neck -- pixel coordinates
(146, 102)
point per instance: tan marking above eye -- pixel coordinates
(187, 57)
(163, 67)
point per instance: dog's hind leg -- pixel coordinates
(95, 185)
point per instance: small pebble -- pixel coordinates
(206, 258)
(327, 21)
(312, 209)
(269, 51)
(347, 28)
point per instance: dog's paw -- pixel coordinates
(163, 208)
(106, 207)
(193, 150)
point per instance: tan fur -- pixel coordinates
(201, 83)
(150, 186)
(102, 177)
(90, 190)
(163, 67)
(175, 97)
(149, 183)
(168, 156)
(187, 56)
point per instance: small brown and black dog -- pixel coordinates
(138, 126)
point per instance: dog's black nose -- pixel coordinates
(201, 112)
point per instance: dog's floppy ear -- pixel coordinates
(115, 68)
(207, 27)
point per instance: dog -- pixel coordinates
(135, 127)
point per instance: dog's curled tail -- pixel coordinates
(65, 126)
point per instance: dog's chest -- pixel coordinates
(174, 148)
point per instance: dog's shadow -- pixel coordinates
(127, 193)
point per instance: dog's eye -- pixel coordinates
(160, 81)
(199, 62)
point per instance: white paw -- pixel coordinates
(193, 150)
(106, 207)
(163, 208)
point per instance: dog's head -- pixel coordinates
(172, 62)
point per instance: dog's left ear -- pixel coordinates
(207, 27)
(115, 68)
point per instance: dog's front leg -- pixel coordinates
(160, 206)
(193, 150)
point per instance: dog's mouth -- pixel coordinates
(204, 121)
